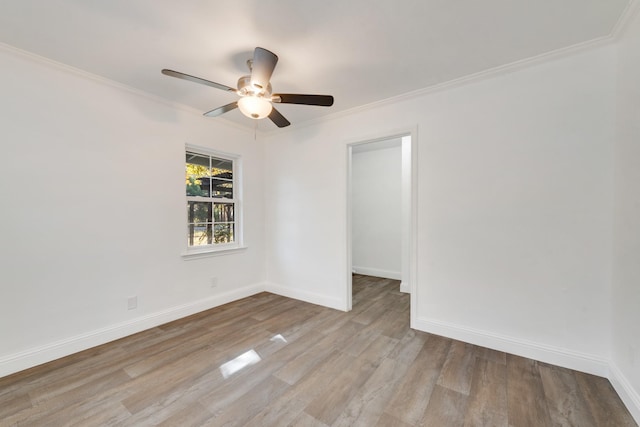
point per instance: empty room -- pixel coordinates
(339, 213)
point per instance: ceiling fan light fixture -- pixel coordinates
(254, 107)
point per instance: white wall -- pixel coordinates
(626, 266)
(513, 199)
(377, 211)
(93, 211)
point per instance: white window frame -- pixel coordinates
(218, 248)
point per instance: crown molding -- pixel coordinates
(23, 54)
(627, 16)
(462, 81)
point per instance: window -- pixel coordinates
(212, 200)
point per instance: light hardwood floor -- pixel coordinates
(316, 367)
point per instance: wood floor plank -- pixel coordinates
(247, 379)
(446, 407)
(488, 396)
(194, 415)
(274, 309)
(409, 346)
(84, 368)
(229, 315)
(308, 323)
(163, 382)
(600, 396)
(306, 420)
(371, 313)
(288, 407)
(388, 321)
(326, 408)
(301, 365)
(33, 378)
(318, 382)
(367, 406)
(73, 397)
(492, 355)
(361, 340)
(250, 404)
(107, 414)
(228, 392)
(288, 320)
(378, 349)
(280, 412)
(342, 336)
(566, 406)
(400, 301)
(18, 402)
(315, 366)
(174, 403)
(457, 371)
(76, 413)
(410, 401)
(398, 326)
(387, 420)
(334, 323)
(527, 405)
(185, 344)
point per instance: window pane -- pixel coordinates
(221, 168)
(199, 212)
(222, 188)
(198, 186)
(197, 165)
(200, 234)
(197, 175)
(223, 233)
(223, 212)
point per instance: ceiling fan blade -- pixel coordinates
(221, 110)
(264, 62)
(194, 79)
(295, 98)
(278, 118)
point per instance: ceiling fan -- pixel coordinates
(256, 97)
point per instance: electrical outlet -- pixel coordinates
(214, 282)
(132, 302)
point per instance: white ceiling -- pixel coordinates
(360, 51)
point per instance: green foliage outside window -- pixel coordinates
(193, 187)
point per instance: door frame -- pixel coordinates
(409, 221)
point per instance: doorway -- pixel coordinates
(381, 212)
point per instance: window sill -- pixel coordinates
(209, 252)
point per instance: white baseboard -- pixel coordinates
(625, 390)
(387, 274)
(306, 296)
(582, 362)
(404, 287)
(46, 353)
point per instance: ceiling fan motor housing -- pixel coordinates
(245, 88)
